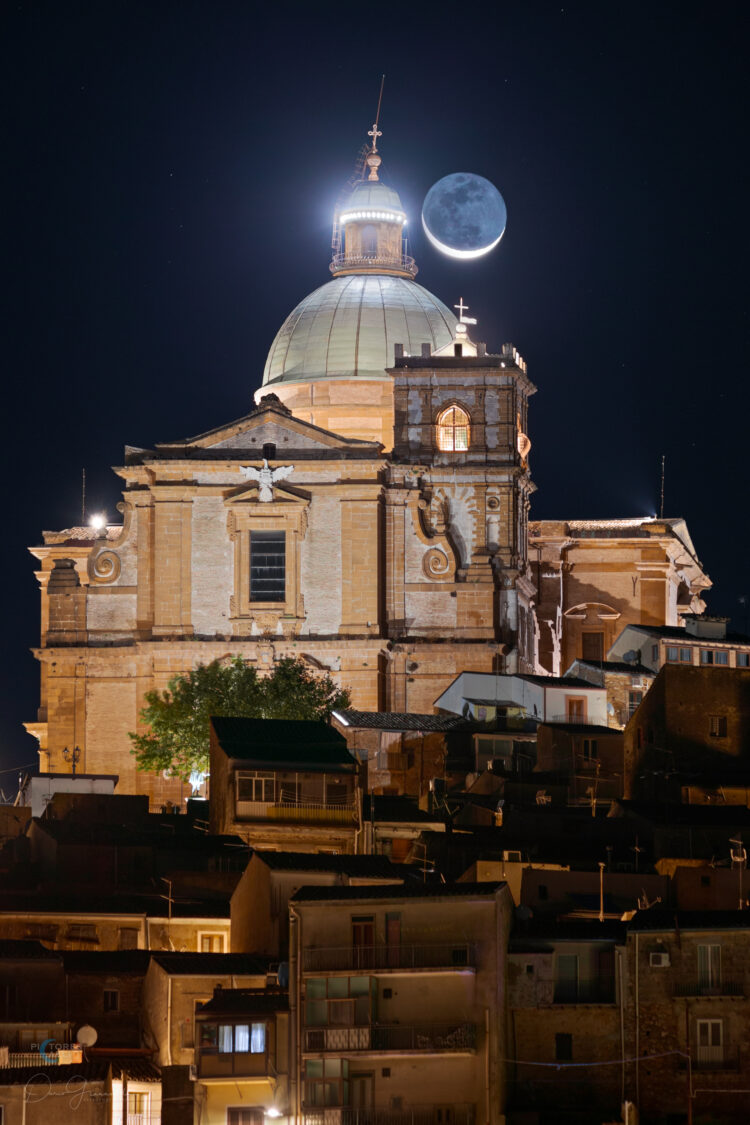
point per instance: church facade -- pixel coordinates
(369, 516)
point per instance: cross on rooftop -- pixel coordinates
(374, 133)
(462, 308)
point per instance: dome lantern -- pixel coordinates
(371, 221)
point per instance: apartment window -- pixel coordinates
(127, 937)
(563, 1046)
(635, 698)
(686, 656)
(81, 932)
(267, 566)
(709, 966)
(590, 750)
(245, 1115)
(229, 1038)
(673, 654)
(138, 1104)
(111, 1000)
(714, 656)
(679, 655)
(709, 1036)
(256, 785)
(717, 726)
(654, 652)
(743, 659)
(211, 943)
(339, 1001)
(453, 430)
(326, 1082)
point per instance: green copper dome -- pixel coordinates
(350, 326)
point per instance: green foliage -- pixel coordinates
(178, 718)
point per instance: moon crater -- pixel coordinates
(464, 215)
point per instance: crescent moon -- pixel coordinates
(459, 253)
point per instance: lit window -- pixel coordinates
(225, 1038)
(258, 1039)
(453, 430)
(717, 726)
(673, 654)
(743, 659)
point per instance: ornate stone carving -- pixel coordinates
(266, 478)
(104, 567)
(435, 563)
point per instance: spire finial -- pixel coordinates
(373, 160)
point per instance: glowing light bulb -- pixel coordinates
(98, 522)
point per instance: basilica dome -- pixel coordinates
(350, 326)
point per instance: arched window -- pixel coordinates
(453, 430)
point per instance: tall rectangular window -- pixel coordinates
(592, 647)
(743, 659)
(709, 966)
(717, 726)
(267, 566)
(563, 1046)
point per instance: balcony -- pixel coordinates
(31, 1058)
(712, 1058)
(303, 812)
(724, 988)
(393, 1040)
(393, 958)
(409, 1115)
(403, 263)
(584, 992)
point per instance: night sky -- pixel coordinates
(170, 173)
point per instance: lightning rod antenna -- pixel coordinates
(380, 98)
(83, 497)
(661, 508)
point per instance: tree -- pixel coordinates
(178, 718)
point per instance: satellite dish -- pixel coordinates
(87, 1035)
(631, 656)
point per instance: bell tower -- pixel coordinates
(460, 468)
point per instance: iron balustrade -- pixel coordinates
(402, 262)
(446, 955)
(701, 988)
(409, 1115)
(331, 812)
(392, 1038)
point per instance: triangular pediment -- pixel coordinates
(270, 423)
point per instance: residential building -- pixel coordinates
(688, 739)
(402, 753)
(700, 641)
(589, 759)
(565, 997)
(625, 685)
(687, 1017)
(511, 699)
(399, 997)
(260, 903)
(284, 785)
(242, 1057)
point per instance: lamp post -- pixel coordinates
(73, 756)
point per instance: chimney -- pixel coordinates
(426, 352)
(398, 351)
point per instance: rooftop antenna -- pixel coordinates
(83, 497)
(375, 134)
(661, 506)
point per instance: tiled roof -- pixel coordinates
(25, 951)
(135, 1067)
(436, 890)
(400, 720)
(245, 1000)
(213, 964)
(71, 535)
(36, 903)
(369, 866)
(403, 810)
(663, 920)
(283, 741)
(617, 666)
(105, 961)
(583, 728)
(77, 1074)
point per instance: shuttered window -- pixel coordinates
(267, 566)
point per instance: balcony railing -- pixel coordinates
(409, 1115)
(584, 992)
(701, 988)
(31, 1058)
(450, 955)
(579, 720)
(432, 1038)
(370, 261)
(302, 811)
(712, 1058)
